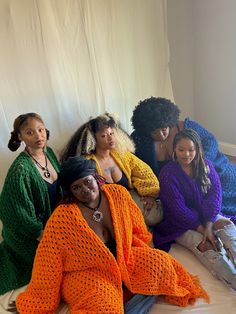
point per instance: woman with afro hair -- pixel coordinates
(156, 121)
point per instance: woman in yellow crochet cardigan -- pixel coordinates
(95, 247)
(103, 140)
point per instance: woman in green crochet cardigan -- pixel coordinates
(27, 199)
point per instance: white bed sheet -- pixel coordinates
(223, 298)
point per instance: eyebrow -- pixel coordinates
(179, 146)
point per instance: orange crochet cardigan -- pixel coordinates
(73, 263)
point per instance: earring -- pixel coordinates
(173, 156)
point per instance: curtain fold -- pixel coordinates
(71, 59)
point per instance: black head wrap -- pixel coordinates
(75, 168)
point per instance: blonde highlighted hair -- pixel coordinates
(83, 141)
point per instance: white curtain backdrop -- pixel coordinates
(71, 59)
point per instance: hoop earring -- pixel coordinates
(173, 156)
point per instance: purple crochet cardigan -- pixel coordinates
(184, 204)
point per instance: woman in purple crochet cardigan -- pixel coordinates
(191, 196)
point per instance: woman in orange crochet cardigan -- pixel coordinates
(95, 249)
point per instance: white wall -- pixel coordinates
(180, 30)
(215, 66)
(69, 60)
(203, 54)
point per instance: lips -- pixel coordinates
(40, 142)
(186, 159)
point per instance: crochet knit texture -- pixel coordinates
(24, 205)
(184, 204)
(145, 150)
(225, 169)
(72, 260)
(140, 176)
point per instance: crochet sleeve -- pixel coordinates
(211, 205)
(142, 177)
(209, 142)
(17, 206)
(176, 213)
(42, 295)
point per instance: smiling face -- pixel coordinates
(185, 152)
(85, 190)
(33, 133)
(161, 134)
(105, 139)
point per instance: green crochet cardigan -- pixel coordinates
(24, 194)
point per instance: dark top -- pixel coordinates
(111, 245)
(123, 181)
(53, 192)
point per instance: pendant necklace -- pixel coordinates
(45, 169)
(97, 215)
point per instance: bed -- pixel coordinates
(223, 299)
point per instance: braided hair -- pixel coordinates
(199, 167)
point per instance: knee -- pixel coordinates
(221, 223)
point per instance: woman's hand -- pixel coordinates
(148, 202)
(209, 235)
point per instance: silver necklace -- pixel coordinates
(97, 215)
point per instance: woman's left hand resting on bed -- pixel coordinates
(148, 202)
(208, 236)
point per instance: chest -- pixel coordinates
(50, 169)
(104, 229)
(110, 170)
(164, 150)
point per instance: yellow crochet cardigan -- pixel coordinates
(140, 176)
(73, 262)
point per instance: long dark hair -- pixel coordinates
(14, 142)
(199, 167)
